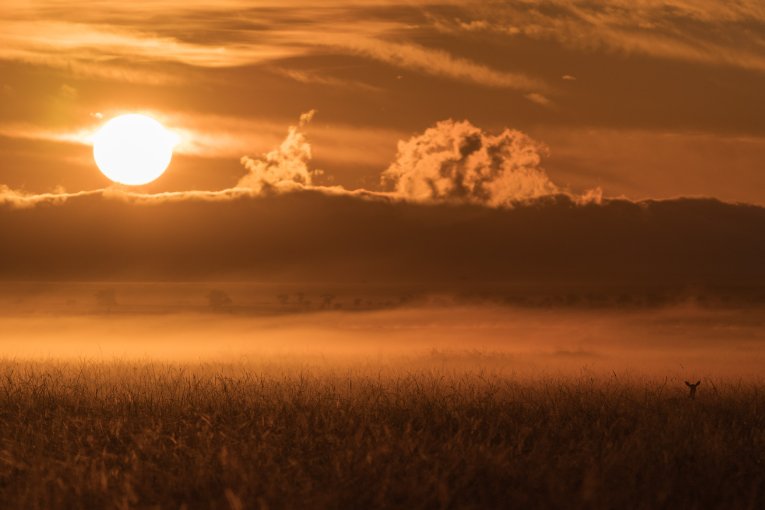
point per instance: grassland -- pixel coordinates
(154, 435)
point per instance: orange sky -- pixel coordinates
(647, 100)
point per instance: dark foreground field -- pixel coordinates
(122, 435)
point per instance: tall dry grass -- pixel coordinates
(152, 435)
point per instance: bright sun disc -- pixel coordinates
(133, 149)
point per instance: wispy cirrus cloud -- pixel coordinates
(437, 62)
(317, 78)
(118, 43)
(103, 50)
(706, 31)
(101, 46)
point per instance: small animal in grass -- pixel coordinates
(693, 388)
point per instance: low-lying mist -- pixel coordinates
(684, 341)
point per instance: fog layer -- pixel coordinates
(684, 341)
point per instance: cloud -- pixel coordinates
(311, 236)
(539, 99)
(315, 78)
(284, 168)
(67, 92)
(454, 162)
(90, 48)
(222, 136)
(20, 199)
(281, 170)
(459, 162)
(120, 46)
(436, 62)
(707, 31)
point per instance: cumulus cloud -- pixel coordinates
(457, 161)
(284, 168)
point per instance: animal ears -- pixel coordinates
(687, 383)
(697, 383)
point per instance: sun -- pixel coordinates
(133, 149)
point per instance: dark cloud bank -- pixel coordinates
(308, 236)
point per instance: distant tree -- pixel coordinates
(326, 300)
(219, 300)
(302, 301)
(106, 299)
